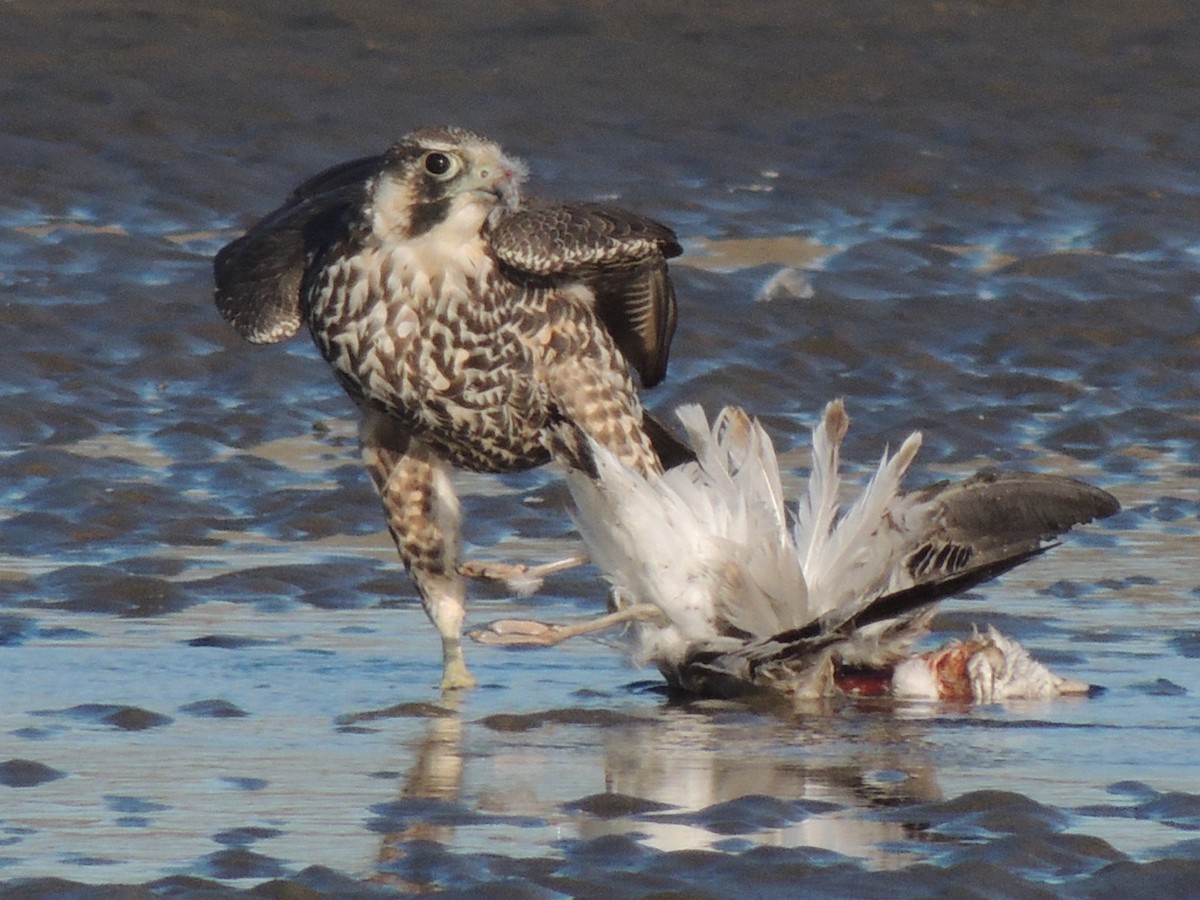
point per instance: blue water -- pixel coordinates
(211, 663)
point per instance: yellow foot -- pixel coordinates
(455, 675)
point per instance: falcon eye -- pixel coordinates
(441, 165)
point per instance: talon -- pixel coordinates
(530, 633)
(520, 578)
(492, 570)
(518, 633)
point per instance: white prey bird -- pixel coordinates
(733, 593)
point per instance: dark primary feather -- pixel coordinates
(619, 255)
(259, 275)
(671, 450)
(997, 514)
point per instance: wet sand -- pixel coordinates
(976, 220)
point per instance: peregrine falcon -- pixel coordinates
(470, 328)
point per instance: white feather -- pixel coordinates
(708, 544)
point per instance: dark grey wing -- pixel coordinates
(978, 529)
(258, 276)
(992, 516)
(621, 256)
(353, 173)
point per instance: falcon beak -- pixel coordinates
(500, 178)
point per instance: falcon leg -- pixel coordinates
(423, 518)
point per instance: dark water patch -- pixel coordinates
(613, 805)
(1069, 589)
(75, 504)
(87, 860)
(1159, 878)
(1135, 789)
(63, 888)
(213, 709)
(156, 566)
(428, 865)
(240, 783)
(105, 589)
(1172, 808)
(618, 867)
(590, 694)
(244, 837)
(518, 722)
(15, 630)
(135, 810)
(399, 815)
(613, 851)
(1129, 581)
(1109, 635)
(122, 718)
(1189, 849)
(1186, 644)
(23, 773)
(30, 733)
(983, 813)
(230, 642)
(1170, 509)
(749, 814)
(1043, 856)
(302, 514)
(1160, 687)
(239, 862)
(327, 584)
(322, 881)
(414, 710)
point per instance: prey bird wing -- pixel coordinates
(993, 516)
(621, 256)
(954, 537)
(260, 275)
(748, 604)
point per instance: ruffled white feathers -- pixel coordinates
(750, 599)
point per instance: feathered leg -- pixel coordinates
(595, 405)
(423, 518)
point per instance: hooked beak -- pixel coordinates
(500, 177)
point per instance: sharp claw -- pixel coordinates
(520, 578)
(530, 633)
(518, 633)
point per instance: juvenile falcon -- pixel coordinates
(470, 328)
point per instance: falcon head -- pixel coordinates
(442, 175)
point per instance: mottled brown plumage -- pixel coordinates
(470, 329)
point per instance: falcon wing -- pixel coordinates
(258, 275)
(620, 256)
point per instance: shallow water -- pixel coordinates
(976, 220)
